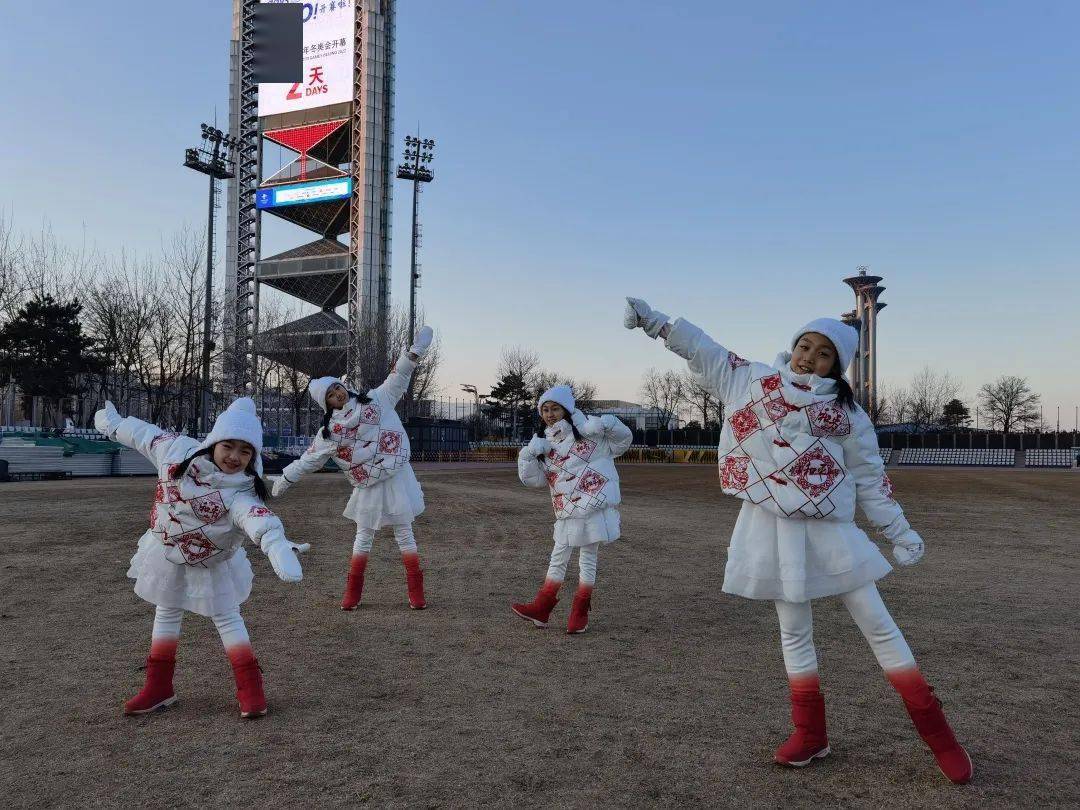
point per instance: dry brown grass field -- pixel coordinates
(675, 696)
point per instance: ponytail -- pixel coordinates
(260, 485)
(181, 468)
(540, 426)
(845, 396)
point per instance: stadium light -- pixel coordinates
(217, 163)
(412, 169)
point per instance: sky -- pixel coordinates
(728, 162)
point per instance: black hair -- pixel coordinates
(540, 426)
(363, 399)
(181, 468)
(844, 395)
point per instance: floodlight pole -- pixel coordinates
(417, 151)
(218, 167)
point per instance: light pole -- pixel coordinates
(418, 153)
(471, 389)
(216, 163)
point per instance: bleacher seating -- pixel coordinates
(85, 433)
(885, 453)
(1048, 457)
(25, 457)
(963, 457)
(132, 462)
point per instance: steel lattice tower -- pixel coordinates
(350, 141)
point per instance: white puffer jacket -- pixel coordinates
(580, 473)
(192, 557)
(786, 446)
(367, 440)
(201, 518)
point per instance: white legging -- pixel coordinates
(403, 533)
(560, 558)
(230, 625)
(870, 614)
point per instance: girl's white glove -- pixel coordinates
(107, 420)
(908, 548)
(539, 446)
(283, 558)
(281, 485)
(423, 340)
(638, 313)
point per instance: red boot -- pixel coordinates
(414, 579)
(925, 710)
(354, 585)
(579, 610)
(809, 741)
(157, 693)
(249, 688)
(539, 609)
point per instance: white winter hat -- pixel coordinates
(239, 422)
(560, 394)
(845, 339)
(318, 388)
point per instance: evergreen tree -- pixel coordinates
(44, 349)
(955, 414)
(511, 399)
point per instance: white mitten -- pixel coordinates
(908, 548)
(283, 559)
(422, 341)
(107, 420)
(539, 446)
(281, 486)
(579, 420)
(638, 313)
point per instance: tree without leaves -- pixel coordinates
(54, 269)
(584, 390)
(379, 347)
(894, 404)
(665, 391)
(292, 384)
(120, 308)
(172, 378)
(425, 379)
(702, 401)
(13, 282)
(514, 390)
(927, 395)
(1010, 403)
(584, 393)
(520, 362)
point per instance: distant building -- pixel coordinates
(636, 416)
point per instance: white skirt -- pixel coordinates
(771, 557)
(393, 502)
(599, 527)
(219, 588)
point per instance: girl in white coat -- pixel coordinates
(574, 456)
(208, 496)
(365, 438)
(801, 453)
